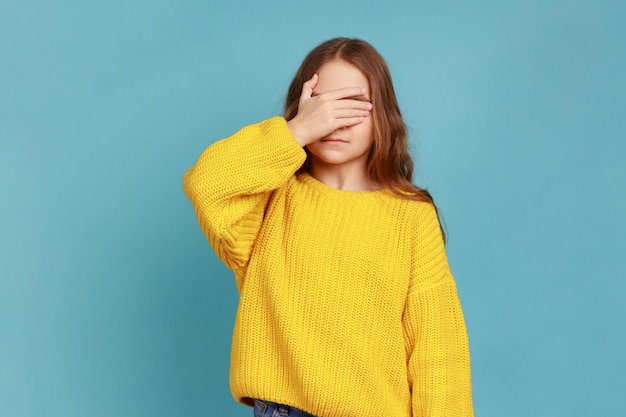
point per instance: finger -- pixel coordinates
(307, 87)
(349, 121)
(352, 104)
(350, 113)
(347, 92)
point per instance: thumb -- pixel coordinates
(307, 88)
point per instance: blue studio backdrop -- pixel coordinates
(112, 303)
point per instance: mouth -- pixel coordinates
(333, 141)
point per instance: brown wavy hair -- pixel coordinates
(389, 163)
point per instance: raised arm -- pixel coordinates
(232, 181)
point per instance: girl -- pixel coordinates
(347, 304)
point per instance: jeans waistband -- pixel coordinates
(264, 408)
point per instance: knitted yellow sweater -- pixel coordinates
(347, 305)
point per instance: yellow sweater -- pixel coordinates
(347, 305)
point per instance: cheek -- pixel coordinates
(365, 130)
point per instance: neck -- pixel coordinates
(342, 177)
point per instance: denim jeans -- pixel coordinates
(270, 409)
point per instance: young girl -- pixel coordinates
(347, 304)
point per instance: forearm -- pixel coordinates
(258, 158)
(439, 364)
(232, 180)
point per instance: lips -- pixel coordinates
(334, 140)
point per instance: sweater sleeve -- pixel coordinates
(232, 181)
(435, 333)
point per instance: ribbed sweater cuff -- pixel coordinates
(273, 149)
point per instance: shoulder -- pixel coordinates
(420, 218)
(415, 210)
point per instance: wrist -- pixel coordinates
(297, 133)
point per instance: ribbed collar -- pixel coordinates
(330, 192)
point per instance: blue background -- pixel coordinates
(111, 301)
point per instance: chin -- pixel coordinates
(336, 158)
(329, 159)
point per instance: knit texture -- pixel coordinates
(347, 304)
